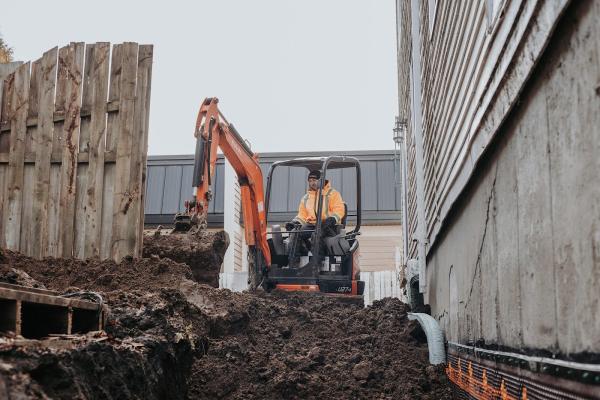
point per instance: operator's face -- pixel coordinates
(313, 183)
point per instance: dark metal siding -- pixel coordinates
(170, 184)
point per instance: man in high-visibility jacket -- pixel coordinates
(332, 211)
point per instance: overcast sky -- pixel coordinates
(290, 75)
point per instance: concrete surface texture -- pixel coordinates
(518, 263)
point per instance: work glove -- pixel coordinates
(290, 226)
(330, 222)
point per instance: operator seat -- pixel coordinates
(277, 238)
(338, 245)
(345, 218)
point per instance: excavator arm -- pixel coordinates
(212, 132)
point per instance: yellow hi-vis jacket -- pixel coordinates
(333, 206)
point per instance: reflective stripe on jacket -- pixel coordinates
(333, 206)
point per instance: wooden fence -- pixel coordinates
(73, 145)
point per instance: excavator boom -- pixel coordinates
(214, 132)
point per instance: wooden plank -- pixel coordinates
(107, 207)
(28, 289)
(19, 319)
(79, 225)
(32, 112)
(25, 243)
(53, 211)
(6, 69)
(70, 320)
(112, 128)
(114, 94)
(3, 170)
(5, 107)
(62, 79)
(121, 244)
(95, 172)
(6, 74)
(41, 298)
(140, 149)
(87, 98)
(18, 117)
(73, 59)
(43, 152)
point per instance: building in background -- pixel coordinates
(500, 100)
(169, 184)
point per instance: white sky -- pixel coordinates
(290, 75)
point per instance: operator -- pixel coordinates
(331, 213)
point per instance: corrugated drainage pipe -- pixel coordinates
(435, 337)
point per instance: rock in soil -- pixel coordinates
(170, 337)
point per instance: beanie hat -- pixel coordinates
(315, 173)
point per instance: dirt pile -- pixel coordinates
(168, 336)
(202, 251)
(299, 346)
(150, 343)
(148, 274)
(153, 333)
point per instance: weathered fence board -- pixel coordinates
(28, 170)
(42, 144)
(112, 127)
(97, 138)
(69, 144)
(141, 118)
(73, 144)
(123, 197)
(18, 127)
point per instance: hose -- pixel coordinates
(435, 337)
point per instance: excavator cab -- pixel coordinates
(330, 263)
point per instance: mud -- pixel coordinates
(170, 337)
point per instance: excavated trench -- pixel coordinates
(171, 334)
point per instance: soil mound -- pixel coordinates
(147, 274)
(150, 343)
(168, 336)
(299, 346)
(202, 251)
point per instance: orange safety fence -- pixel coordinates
(479, 389)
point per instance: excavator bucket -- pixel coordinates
(182, 223)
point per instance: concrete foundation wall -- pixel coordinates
(518, 261)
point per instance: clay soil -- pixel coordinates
(168, 336)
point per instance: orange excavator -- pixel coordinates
(332, 263)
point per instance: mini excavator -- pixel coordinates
(331, 265)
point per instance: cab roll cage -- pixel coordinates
(322, 164)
